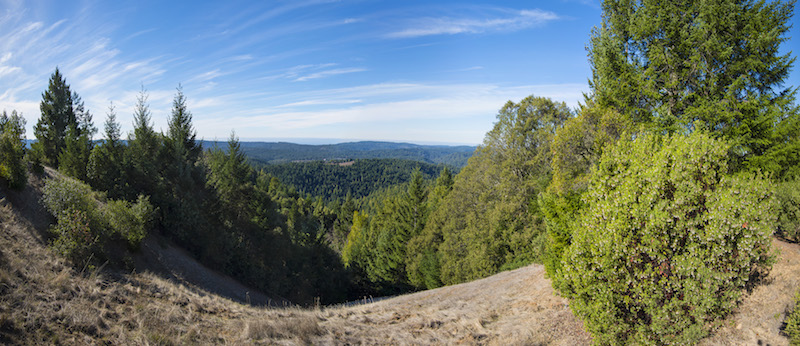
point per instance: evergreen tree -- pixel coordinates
(61, 110)
(184, 182)
(73, 159)
(142, 151)
(681, 64)
(12, 149)
(230, 176)
(106, 169)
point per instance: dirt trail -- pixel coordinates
(513, 307)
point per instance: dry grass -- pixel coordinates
(44, 301)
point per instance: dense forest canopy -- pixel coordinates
(275, 153)
(338, 179)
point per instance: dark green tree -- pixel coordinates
(105, 170)
(12, 149)
(184, 180)
(422, 260)
(59, 112)
(715, 65)
(142, 151)
(230, 175)
(73, 159)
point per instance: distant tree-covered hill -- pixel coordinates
(272, 153)
(335, 179)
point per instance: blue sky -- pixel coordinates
(303, 71)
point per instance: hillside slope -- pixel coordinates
(42, 300)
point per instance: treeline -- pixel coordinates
(276, 153)
(233, 218)
(333, 180)
(485, 220)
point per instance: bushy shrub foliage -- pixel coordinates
(130, 221)
(793, 322)
(788, 194)
(668, 242)
(84, 224)
(73, 237)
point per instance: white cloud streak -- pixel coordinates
(329, 73)
(513, 21)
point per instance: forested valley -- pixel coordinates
(652, 205)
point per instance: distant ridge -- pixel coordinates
(282, 152)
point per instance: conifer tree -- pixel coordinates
(12, 149)
(74, 157)
(142, 151)
(105, 170)
(713, 64)
(230, 176)
(58, 109)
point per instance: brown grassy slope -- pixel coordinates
(42, 300)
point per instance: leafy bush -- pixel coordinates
(667, 242)
(788, 194)
(74, 239)
(793, 322)
(84, 224)
(131, 221)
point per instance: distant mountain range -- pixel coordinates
(282, 152)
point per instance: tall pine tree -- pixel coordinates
(714, 64)
(58, 109)
(142, 151)
(105, 170)
(12, 149)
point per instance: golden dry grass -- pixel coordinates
(44, 301)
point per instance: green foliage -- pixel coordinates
(578, 146)
(12, 150)
(130, 221)
(73, 159)
(230, 175)
(687, 65)
(106, 168)
(490, 220)
(142, 152)
(788, 194)
(793, 322)
(85, 224)
(279, 153)
(63, 117)
(359, 178)
(74, 238)
(668, 242)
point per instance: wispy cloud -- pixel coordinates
(392, 111)
(328, 73)
(508, 21)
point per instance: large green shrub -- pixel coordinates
(788, 194)
(84, 224)
(668, 242)
(130, 221)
